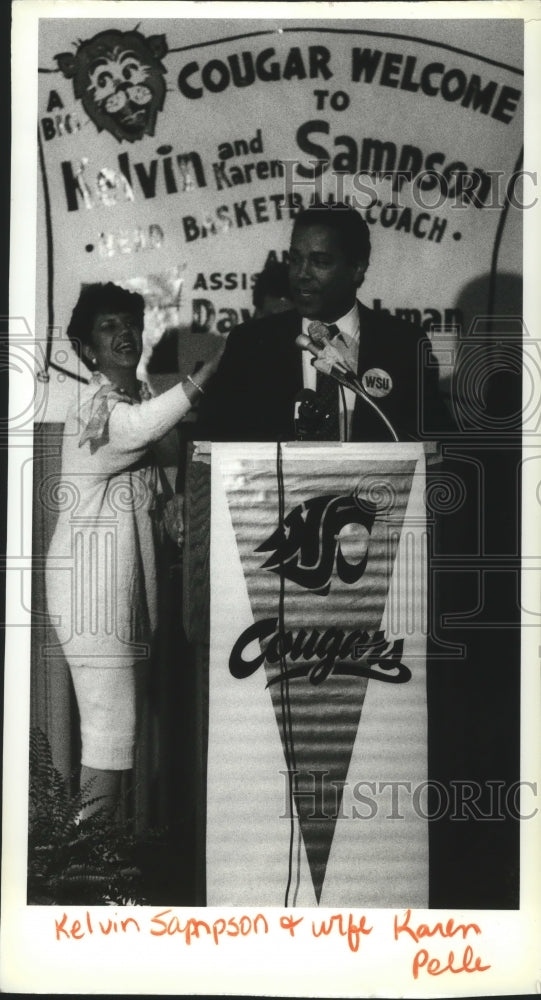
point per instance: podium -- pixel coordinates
(312, 718)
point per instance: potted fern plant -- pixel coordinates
(74, 858)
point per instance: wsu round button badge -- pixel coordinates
(377, 382)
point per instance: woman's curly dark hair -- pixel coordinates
(100, 299)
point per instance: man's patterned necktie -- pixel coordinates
(327, 391)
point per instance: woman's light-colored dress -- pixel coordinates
(101, 565)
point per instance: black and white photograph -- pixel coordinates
(272, 594)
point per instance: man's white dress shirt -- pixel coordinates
(347, 343)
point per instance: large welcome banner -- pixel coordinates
(174, 155)
(317, 749)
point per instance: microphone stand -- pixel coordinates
(350, 381)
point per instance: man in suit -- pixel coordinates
(256, 393)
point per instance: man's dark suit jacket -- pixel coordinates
(252, 396)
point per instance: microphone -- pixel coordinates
(320, 336)
(329, 361)
(318, 333)
(327, 357)
(310, 418)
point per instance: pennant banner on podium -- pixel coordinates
(317, 695)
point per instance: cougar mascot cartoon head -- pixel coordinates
(119, 78)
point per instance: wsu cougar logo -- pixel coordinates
(310, 543)
(119, 78)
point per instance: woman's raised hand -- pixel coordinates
(214, 361)
(194, 384)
